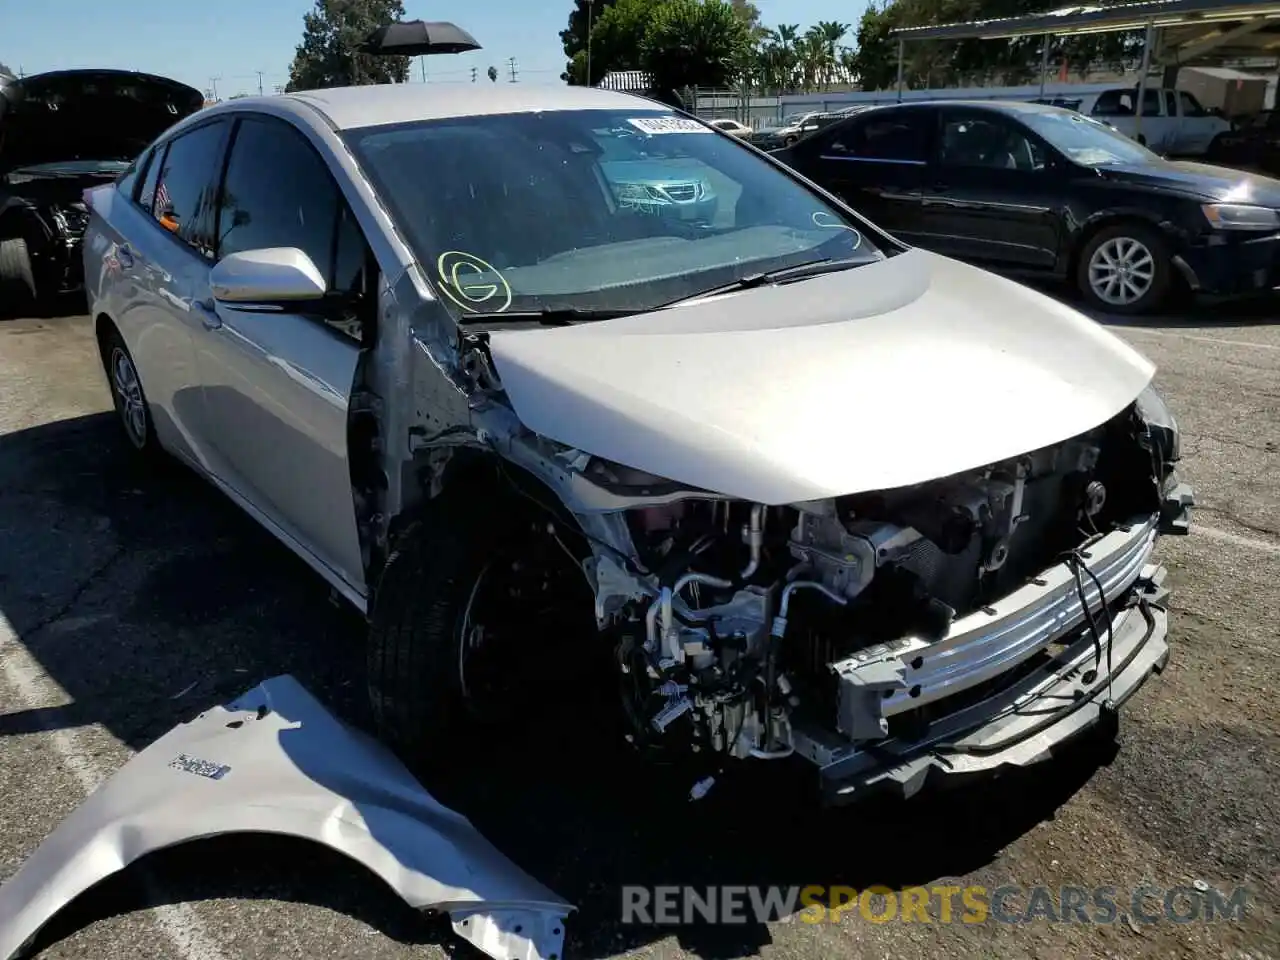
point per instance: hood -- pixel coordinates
(87, 115)
(1201, 180)
(882, 376)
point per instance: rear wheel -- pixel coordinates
(132, 409)
(1125, 268)
(17, 277)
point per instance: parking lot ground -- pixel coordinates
(132, 599)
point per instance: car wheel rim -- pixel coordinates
(128, 391)
(1122, 271)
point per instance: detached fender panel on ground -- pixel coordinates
(275, 761)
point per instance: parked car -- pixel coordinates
(1041, 191)
(732, 127)
(792, 130)
(1254, 144)
(798, 487)
(60, 133)
(1173, 121)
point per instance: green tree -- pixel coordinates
(331, 32)
(692, 43)
(749, 14)
(493, 74)
(616, 38)
(574, 36)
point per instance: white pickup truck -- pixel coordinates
(1173, 121)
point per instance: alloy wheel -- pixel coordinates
(1122, 271)
(129, 401)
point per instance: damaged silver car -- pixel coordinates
(812, 492)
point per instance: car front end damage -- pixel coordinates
(929, 630)
(953, 628)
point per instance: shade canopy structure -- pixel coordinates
(417, 38)
(1176, 32)
(1190, 30)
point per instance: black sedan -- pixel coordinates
(1253, 145)
(1037, 190)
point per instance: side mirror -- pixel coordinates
(269, 275)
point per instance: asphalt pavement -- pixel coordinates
(131, 598)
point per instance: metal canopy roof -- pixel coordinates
(1252, 23)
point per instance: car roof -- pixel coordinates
(371, 105)
(1009, 107)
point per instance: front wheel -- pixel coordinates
(1125, 268)
(471, 625)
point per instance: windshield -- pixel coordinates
(593, 209)
(1086, 141)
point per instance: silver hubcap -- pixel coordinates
(128, 389)
(1122, 271)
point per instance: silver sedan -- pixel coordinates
(784, 483)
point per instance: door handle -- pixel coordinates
(209, 318)
(124, 255)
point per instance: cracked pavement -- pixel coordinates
(135, 598)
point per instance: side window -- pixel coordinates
(902, 137)
(127, 182)
(1171, 104)
(1190, 105)
(146, 195)
(1151, 103)
(278, 192)
(1113, 103)
(184, 196)
(982, 140)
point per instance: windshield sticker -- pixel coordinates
(655, 125)
(472, 283)
(828, 221)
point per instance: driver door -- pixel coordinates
(277, 380)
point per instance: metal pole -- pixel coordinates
(1044, 62)
(1142, 80)
(901, 63)
(591, 6)
(422, 62)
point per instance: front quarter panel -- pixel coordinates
(275, 761)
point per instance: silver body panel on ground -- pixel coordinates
(275, 761)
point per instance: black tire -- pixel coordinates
(417, 647)
(17, 277)
(133, 412)
(1161, 264)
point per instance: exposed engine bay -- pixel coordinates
(761, 614)
(48, 212)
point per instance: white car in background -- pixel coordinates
(797, 488)
(1173, 122)
(732, 127)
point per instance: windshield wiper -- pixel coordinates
(546, 317)
(800, 271)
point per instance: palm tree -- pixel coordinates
(814, 60)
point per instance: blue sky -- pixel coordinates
(233, 39)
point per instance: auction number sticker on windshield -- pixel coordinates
(656, 125)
